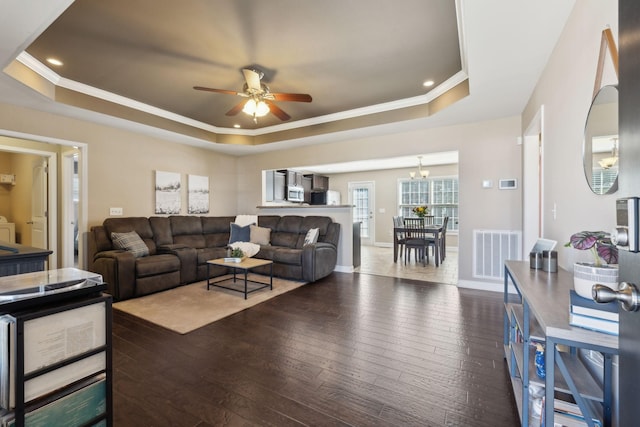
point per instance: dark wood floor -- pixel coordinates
(350, 350)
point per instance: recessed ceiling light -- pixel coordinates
(54, 61)
(237, 126)
(428, 83)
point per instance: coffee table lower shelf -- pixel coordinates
(245, 265)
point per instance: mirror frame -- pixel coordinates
(605, 129)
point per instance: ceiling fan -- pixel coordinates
(260, 101)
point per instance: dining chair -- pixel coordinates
(443, 239)
(431, 241)
(416, 239)
(398, 222)
(429, 219)
(413, 222)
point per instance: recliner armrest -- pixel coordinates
(118, 270)
(318, 260)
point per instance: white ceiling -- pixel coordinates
(505, 46)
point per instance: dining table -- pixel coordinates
(435, 229)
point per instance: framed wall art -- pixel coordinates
(167, 193)
(198, 194)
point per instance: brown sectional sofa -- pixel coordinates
(179, 247)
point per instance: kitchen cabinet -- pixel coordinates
(292, 178)
(539, 314)
(274, 186)
(319, 182)
(306, 185)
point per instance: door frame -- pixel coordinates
(52, 187)
(533, 181)
(68, 219)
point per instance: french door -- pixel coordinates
(361, 196)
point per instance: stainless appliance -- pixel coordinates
(318, 197)
(295, 193)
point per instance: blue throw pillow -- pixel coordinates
(240, 234)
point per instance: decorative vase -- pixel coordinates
(587, 274)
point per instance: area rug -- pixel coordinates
(189, 307)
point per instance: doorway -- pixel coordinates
(70, 197)
(20, 143)
(361, 196)
(533, 185)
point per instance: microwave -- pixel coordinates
(295, 193)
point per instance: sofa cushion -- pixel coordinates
(320, 222)
(239, 233)
(287, 240)
(207, 254)
(161, 227)
(130, 241)
(140, 225)
(287, 256)
(259, 235)
(157, 264)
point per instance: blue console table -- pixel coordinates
(538, 312)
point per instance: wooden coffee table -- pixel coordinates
(244, 265)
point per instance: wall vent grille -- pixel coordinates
(491, 248)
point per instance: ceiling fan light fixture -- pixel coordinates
(256, 109)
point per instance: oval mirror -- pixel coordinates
(600, 149)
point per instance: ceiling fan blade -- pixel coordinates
(235, 110)
(253, 79)
(295, 97)
(208, 89)
(277, 111)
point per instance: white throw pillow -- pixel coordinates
(312, 236)
(248, 249)
(244, 220)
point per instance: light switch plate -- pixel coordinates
(115, 211)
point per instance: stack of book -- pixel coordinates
(601, 317)
(568, 414)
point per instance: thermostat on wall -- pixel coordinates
(508, 184)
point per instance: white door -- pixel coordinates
(532, 187)
(69, 229)
(39, 205)
(361, 196)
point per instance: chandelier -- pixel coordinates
(422, 173)
(609, 162)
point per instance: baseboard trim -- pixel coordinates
(344, 269)
(485, 286)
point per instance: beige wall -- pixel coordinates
(565, 89)
(121, 164)
(386, 184)
(487, 150)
